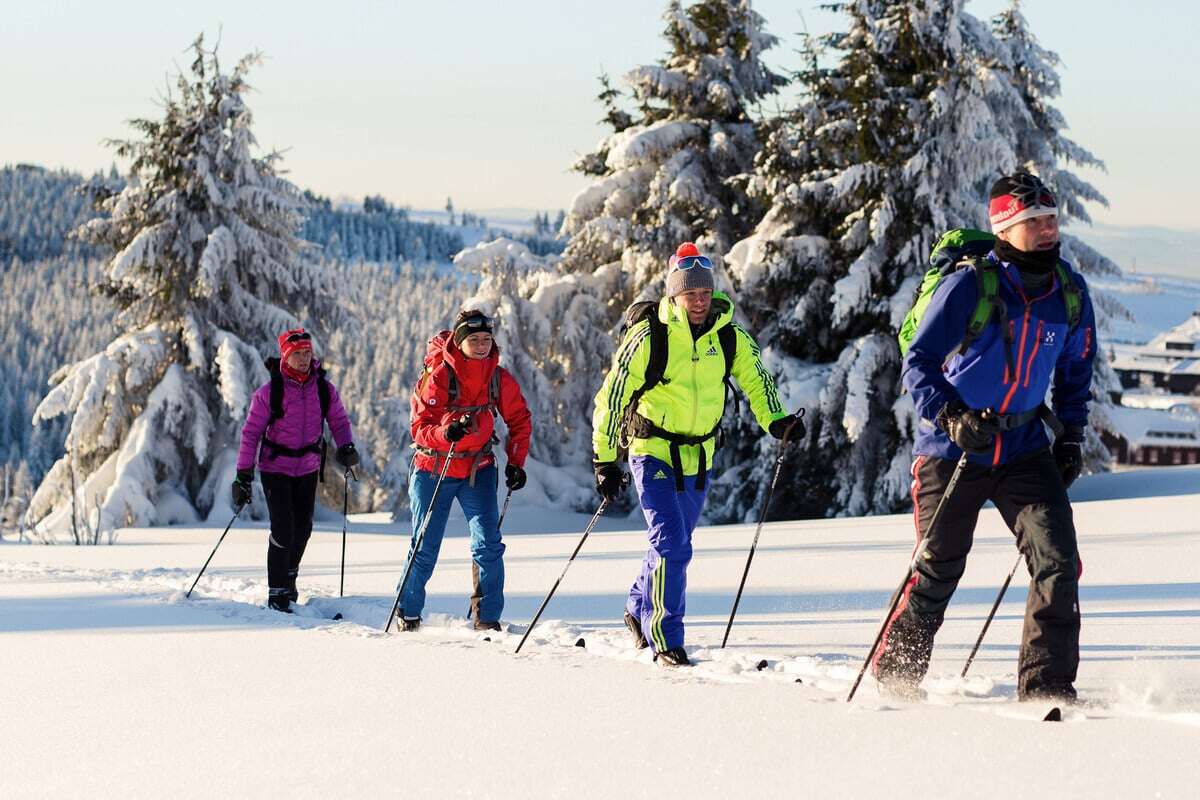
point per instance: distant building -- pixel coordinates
(1152, 437)
(1170, 362)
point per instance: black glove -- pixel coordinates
(610, 479)
(347, 456)
(514, 477)
(972, 430)
(243, 487)
(456, 430)
(779, 427)
(1068, 454)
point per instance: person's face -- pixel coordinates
(1035, 233)
(696, 302)
(477, 345)
(300, 360)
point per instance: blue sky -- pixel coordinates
(489, 102)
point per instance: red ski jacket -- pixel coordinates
(484, 389)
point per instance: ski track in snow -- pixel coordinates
(823, 678)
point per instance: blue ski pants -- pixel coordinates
(658, 595)
(478, 503)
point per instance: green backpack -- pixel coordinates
(965, 247)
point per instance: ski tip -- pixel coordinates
(580, 643)
(760, 666)
(1053, 715)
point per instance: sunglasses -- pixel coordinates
(298, 337)
(476, 322)
(688, 262)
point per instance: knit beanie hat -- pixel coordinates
(1015, 198)
(470, 321)
(696, 272)
(293, 340)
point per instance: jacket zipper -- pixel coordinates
(1016, 381)
(1037, 343)
(695, 386)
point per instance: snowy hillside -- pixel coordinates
(114, 684)
(1157, 302)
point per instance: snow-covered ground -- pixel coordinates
(113, 684)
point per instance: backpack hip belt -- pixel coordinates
(319, 446)
(638, 427)
(475, 456)
(1010, 422)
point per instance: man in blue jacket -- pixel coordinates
(987, 399)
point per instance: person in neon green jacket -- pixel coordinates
(665, 408)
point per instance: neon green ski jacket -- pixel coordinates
(690, 399)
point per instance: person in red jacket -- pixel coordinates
(455, 405)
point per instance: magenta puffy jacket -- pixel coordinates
(299, 426)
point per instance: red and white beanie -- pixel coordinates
(1016, 198)
(293, 340)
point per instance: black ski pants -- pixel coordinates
(1030, 496)
(290, 502)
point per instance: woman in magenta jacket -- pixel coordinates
(285, 433)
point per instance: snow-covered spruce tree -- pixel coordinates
(664, 174)
(894, 142)
(206, 266)
(1036, 127)
(552, 333)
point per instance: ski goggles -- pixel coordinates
(299, 337)
(1032, 192)
(689, 262)
(476, 323)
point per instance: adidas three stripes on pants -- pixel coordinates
(658, 595)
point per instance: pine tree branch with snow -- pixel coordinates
(206, 270)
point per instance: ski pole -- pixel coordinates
(420, 536)
(912, 568)
(214, 550)
(503, 510)
(345, 522)
(991, 614)
(542, 607)
(761, 518)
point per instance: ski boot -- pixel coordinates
(675, 657)
(278, 600)
(635, 629)
(485, 625)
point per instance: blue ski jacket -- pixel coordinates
(1043, 349)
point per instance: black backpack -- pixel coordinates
(320, 445)
(636, 426)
